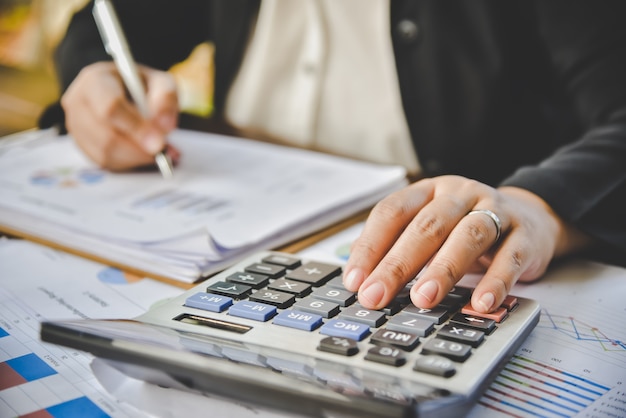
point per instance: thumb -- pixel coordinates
(162, 99)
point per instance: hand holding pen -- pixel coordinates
(116, 132)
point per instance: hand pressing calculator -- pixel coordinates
(282, 332)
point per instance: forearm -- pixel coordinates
(585, 184)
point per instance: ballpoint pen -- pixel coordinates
(116, 46)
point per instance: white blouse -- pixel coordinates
(321, 74)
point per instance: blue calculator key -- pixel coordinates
(297, 319)
(208, 302)
(253, 310)
(347, 329)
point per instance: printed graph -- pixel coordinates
(530, 388)
(23, 369)
(20, 377)
(182, 202)
(67, 177)
(580, 331)
(115, 276)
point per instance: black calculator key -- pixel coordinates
(404, 340)
(321, 307)
(254, 280)
(450, 349)
(272, 270)
(452, 303)
(483, 324)
(435, 365)
(339, 345)
(369, 317)
(281, 300)
(462, 293)
(412, 324)
(233, 290)
(387, 355)
(283, 260)
(340, 297)
(298, 289)
(336, 283)
(455, 332)
(437, 315)
(404, 296)
(314, 273)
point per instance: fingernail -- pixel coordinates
(486, 301)
(353, 279)
(428, 291)
(153, 143)
(372, 294)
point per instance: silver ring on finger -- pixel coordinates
(494, 218)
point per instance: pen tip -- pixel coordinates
(165, 165)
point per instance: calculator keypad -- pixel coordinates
(309, 297)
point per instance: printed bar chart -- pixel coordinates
(23, 369)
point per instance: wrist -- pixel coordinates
(568, 238)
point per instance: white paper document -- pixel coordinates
(39, 283)
(229, 196)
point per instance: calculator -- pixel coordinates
(282, 332)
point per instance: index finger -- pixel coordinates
(383, 227)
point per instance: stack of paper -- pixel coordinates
(228, 197)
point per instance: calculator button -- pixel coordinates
(387, 355)
(233, 290)
(271, 270)
(253, 310)
(450, 349)
(412, 324)
(283, 260)
(347, 329)
(498, 315)
(452, 303)
(300, 320)
(392, 309)
(469, 336)
(314, 273)
(510, 303)
(340, 297)
(339, 345)
(208, 302)
(254, 280)
(483, 324)
(404, 340)
(462, 293)
(436, 315)
(435, 365)
(316, 306)
(367, 316)
(298, 289)
(404, 296)
(336, 283)
(273, 297)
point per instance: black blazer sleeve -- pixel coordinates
(160, 33)
(585, 181)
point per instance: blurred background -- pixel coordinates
(29, 33)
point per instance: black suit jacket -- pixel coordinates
(524, 93)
